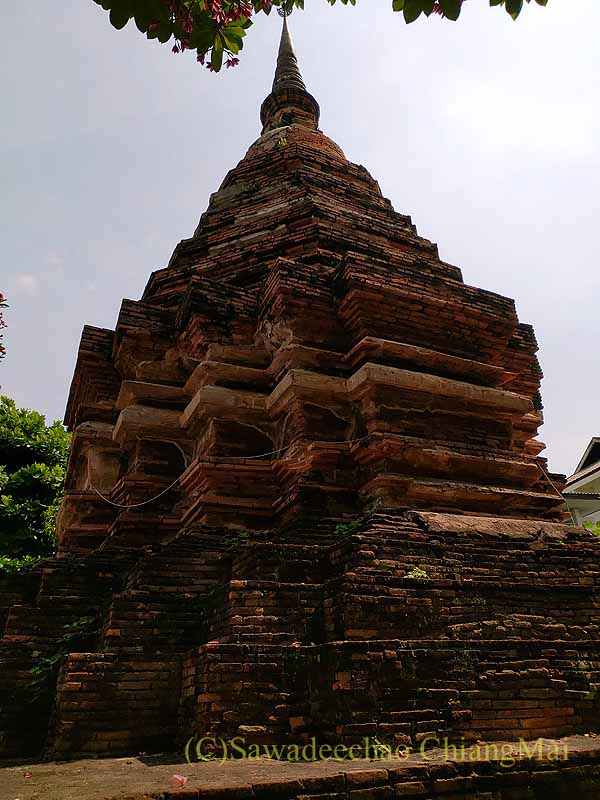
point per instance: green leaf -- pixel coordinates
(451, 8)
(165, 31)
(145, 12)
(232, 42)
(216, 58)
(120, 14)
(412, 10)
(514, 7)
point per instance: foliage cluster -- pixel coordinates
(215, 29)
(417, 574)
(349, 528)
(594, 527)
(77, 637)
(33, 459)
(451, 9)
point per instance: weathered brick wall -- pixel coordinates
(107, 704)
(498, 637)
(16, 590)
(401, 693)
(248, 690)
(62, 613)
(479, 691)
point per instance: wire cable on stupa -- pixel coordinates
(558, 492)
(226, 459)
(223, 459)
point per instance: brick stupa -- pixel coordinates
(305, 495)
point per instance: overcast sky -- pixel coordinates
(486, 131)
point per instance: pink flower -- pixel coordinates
(179, 780)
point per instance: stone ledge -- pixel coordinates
(434, 774)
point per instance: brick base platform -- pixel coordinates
(411, 625)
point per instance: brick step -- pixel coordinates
(432, 592)
(521, 665)
(151, 594)
(480, 560)
(262, 608)
(486, 561)
(359, 552)
(472, 539)
(242, 636)
(468, 543)
(375, 611)
(66, 599)
(591, 668)
(186, 572)
(469, 540)
(401, 532)
(25, 621)
(503, 627)
(139, 621)
(382, 581)
(522, 574)
(418, 713)
(266, 621)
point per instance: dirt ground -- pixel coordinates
(149, 778)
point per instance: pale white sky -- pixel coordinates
(486, 131)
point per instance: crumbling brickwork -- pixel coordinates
(304, 495)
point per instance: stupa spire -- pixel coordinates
(289, 102)
(287, 72)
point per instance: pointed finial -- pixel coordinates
(289, 102)
(287, 72)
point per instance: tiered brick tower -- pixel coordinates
(305, 494)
